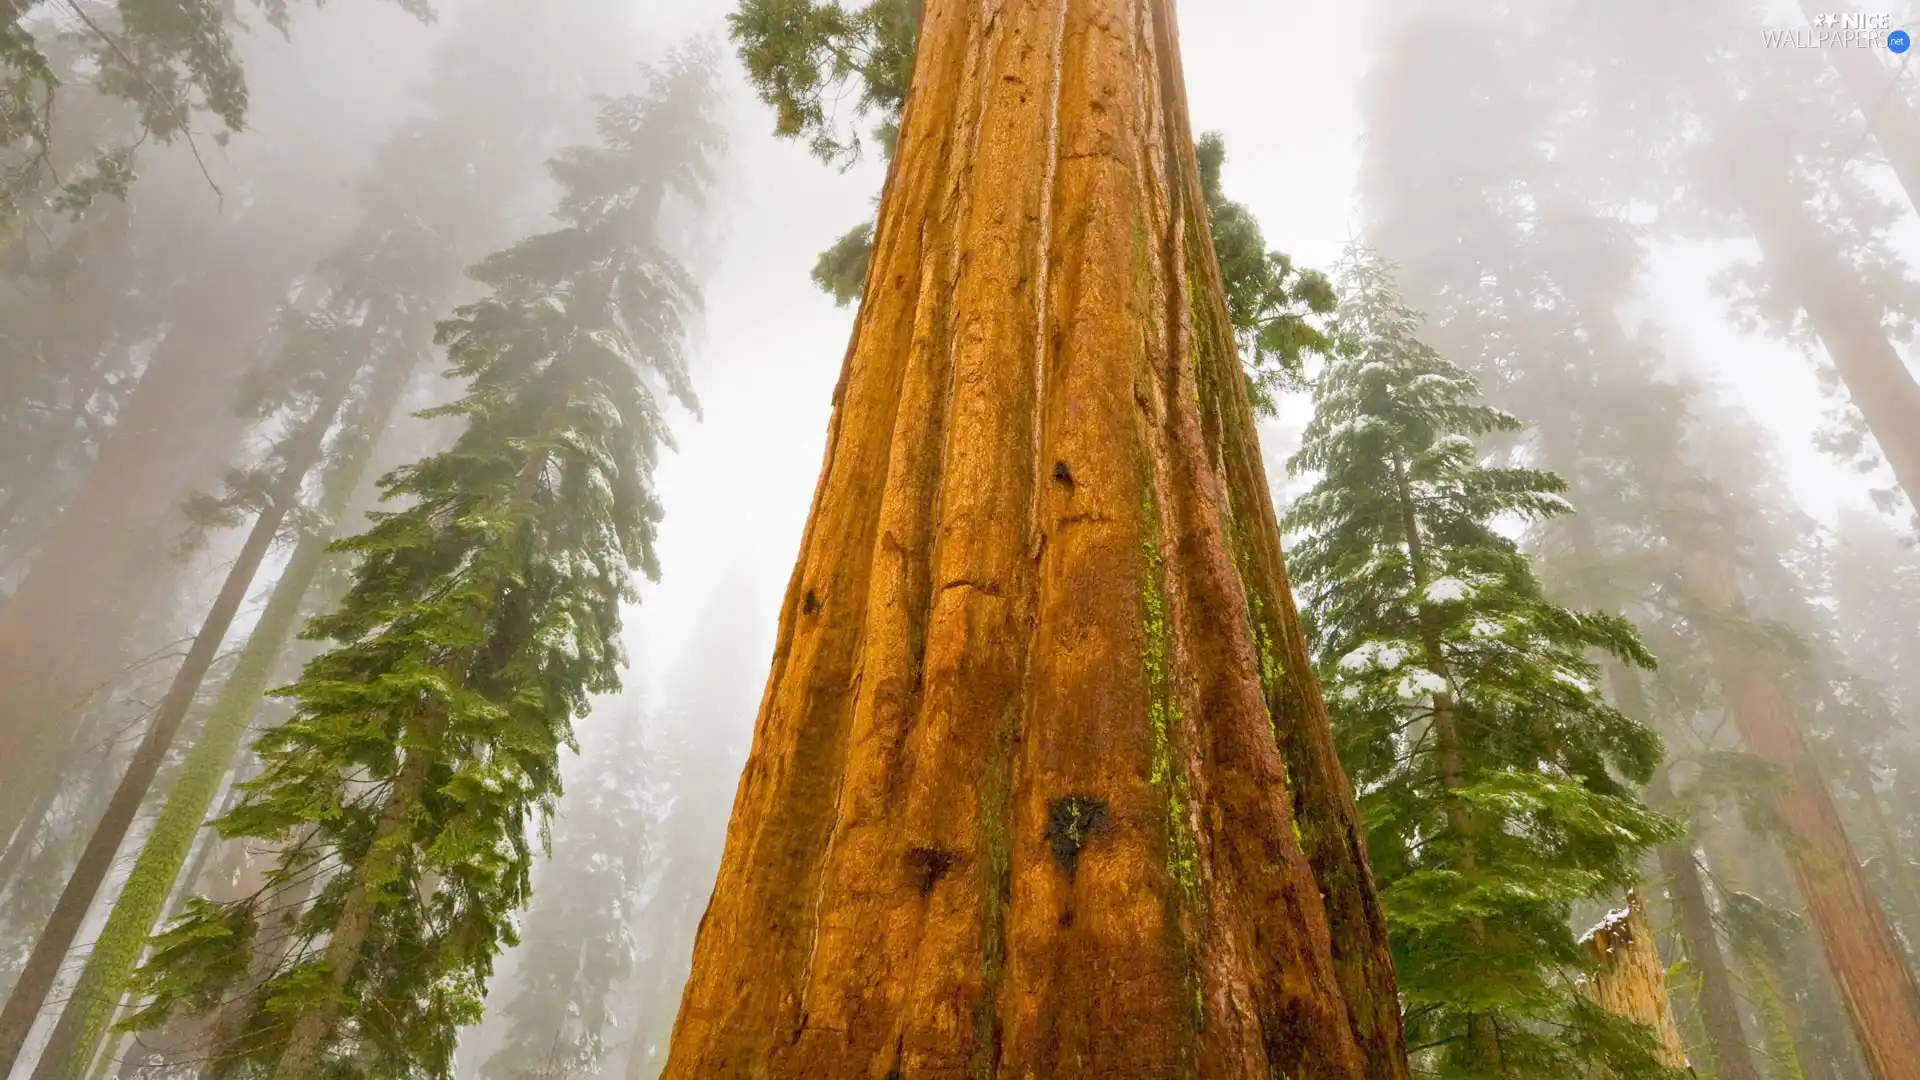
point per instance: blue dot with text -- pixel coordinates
(1898, 42)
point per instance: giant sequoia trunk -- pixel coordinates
(1897, 858)
(226, 871)
(1804, 1025)
(1015, 805)
(1809, 266)
(1877, 987)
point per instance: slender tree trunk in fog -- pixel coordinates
(1631, 981)
(108, 1058)
(1805, 262)
(84, 1020)
(1896, 127)
(1876, 985)
(1827, 1050)
(188, 1038)
(1719, 1003)
(96, 860)
(1693, 914)
(1015, 805)
(82, 781)
(181, 1039)
(1898, 860)
(16, 851)
(112, 553)
(1782, 1024)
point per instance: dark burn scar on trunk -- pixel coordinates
(1071, 821)
(927, 865)
(810, 605)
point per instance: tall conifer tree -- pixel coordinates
(437, 195)
(1497, 783)
(425, 745)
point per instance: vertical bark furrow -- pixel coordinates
(886, 880)
(790, 788)
(1084, 911)
(1269, 908)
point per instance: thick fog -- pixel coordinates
(222, 232)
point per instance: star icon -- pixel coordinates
(1824, 20)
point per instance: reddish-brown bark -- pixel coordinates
(1802, 1019)
(1324, 810)
(1897, 859)
(1015, 805)
(1877, 987)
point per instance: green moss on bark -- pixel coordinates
(104, 979)
(1163, 711)
(996, 867)
(141, 899)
